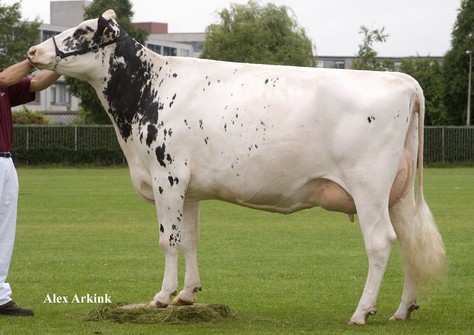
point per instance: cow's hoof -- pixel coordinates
(361, 322)
(156, 304)
(181, 302)
(407, 316)
(354, 322)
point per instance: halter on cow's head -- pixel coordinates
(88, 37)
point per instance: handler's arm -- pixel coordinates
(14, 73)
(43, 80)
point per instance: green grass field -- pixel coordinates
(85, 231)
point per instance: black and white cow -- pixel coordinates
(275, 138)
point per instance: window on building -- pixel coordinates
(59, 94)
(340, 64)
(185, 53)
(47, 34)
(64, 95)
(154, 48)
(52, 90)
(168, 51)
(37, 100)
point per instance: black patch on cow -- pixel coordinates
(102, 24)
(172, 180)
(175, 239)
(151, 134)
(160, 154)
(370, 119)
(160, 189)
(162, 229)
(78, 41)
(130, 91)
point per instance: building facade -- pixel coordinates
(345, 62)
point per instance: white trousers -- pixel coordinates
(8, 212)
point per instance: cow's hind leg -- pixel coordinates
(190, 239)
(401, 213)
(378, 238)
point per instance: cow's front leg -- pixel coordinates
(189, 242)
(169, 243)
(170, 278)
(169, 200)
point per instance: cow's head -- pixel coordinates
(73, 51)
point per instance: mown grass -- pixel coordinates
(86, 231)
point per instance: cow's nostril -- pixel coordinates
(32, 52)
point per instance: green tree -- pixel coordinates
(16, 36)
(253, 33)
(92, 110)
(429, 73)
(456, 65)
(366, 56)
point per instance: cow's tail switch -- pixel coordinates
(424, 249)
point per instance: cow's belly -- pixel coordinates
(318, 192)
(288, 196)
(280, 195)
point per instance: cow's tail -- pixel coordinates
(421, 242)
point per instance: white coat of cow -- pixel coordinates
(275, 138)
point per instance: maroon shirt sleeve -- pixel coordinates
(12, 96)
(20, 93)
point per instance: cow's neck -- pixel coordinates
(129, 89)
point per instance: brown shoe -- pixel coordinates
(10, 308)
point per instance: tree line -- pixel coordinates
(270, 34)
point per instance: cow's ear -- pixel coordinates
(102, 25)
(109, 14)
